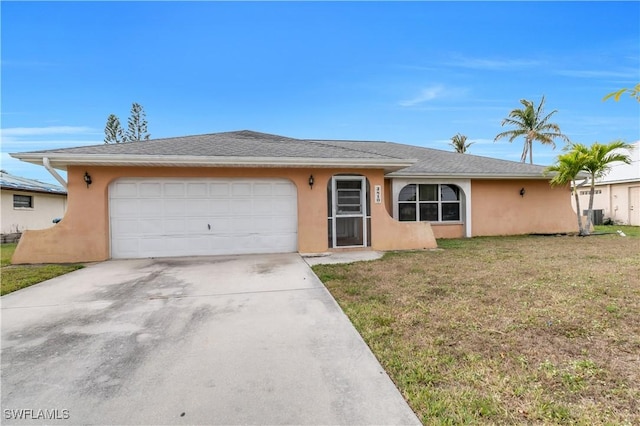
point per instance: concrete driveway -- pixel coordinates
(210, 340)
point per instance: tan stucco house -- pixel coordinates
(28, 204)
(248, 192)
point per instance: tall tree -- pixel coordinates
(113, 132)
(460, 144)
(137, 125)
(531, 123)
(566, 169)
(598, 163)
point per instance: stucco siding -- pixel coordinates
(499, 209)
(84, 234)
(46, 207)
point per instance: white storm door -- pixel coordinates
(349, 211)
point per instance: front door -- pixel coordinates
(349, 211)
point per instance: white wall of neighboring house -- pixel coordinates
(46, 207)
(618, 192)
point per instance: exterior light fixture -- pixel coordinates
(522, 191)
(311, 181)
(87, 178)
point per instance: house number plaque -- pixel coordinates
(378, 194)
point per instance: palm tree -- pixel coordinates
(598, 163)
(459, 143)
(530, 123)
(567, 168)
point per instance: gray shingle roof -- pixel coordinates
(249, 144)
(435, 162)
(243, 143)
(17, 183)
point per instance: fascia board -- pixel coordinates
(61, 161)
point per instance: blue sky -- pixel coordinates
(408, 72)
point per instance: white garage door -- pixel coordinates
(190, 217)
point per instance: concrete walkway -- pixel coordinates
(210, 340)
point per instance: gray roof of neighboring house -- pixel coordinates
(17, 183)
(404, 160)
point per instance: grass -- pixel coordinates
(20, 276)
(511, 330)
(630, 231)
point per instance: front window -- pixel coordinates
(429, 202)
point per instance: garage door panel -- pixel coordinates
(124, 190)
(126, 226)
(262, 189)
(262, 206)
(241, 207)
(197, 190)
(182, 217)
(220, 207)
(148, 207)
(175, 226)
(150, 227)
(241, 189)
(219, 190)
(127, 247)
(286, 189)
(197, 207)
(198, 225)
(284, 225)
(147, 189)
(174, 190)
(240, 225)
(174, 207)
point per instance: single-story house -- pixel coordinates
(29, 204)
(617, 194)
(248, 192)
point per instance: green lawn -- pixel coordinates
(630, 231)
(20, 276)
(512, 330)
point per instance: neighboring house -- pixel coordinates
(29, 204)
(249, 192)
(617, 194)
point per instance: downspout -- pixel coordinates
(47, 165)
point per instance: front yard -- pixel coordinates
(20, 276)
(505, 330)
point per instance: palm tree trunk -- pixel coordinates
(575, 193)
(531, 152)
(592, 191)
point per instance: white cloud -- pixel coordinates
(493, 64)
(432, 92)
(628, 75)
(426, 94)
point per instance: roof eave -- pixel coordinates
(62, 161)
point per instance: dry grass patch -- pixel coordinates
(504, 330)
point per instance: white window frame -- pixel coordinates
(465, 198)
(439, 202)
